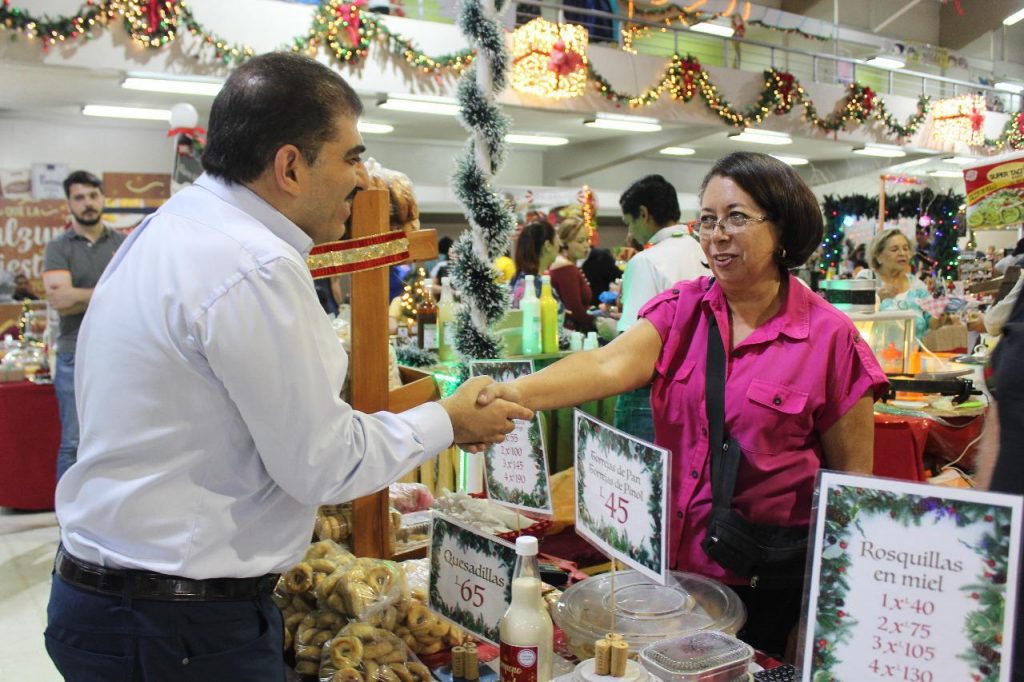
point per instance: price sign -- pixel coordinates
(470, 577)
(621, 483)
(516, 471)
(911, 582)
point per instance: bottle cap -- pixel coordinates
(526, 545)
(445, 280)
(529, 278)
(545, 279)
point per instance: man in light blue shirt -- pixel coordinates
(208, 386)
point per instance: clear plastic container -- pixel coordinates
(645, 612)
(698, 657)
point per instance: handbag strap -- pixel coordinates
(724, 453)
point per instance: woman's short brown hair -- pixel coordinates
(787, 200)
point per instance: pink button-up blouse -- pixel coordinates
(786, 384)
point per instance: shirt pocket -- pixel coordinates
(773, 418)
(678, 392)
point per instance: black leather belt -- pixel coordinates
(157, 586)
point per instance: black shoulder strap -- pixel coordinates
(725, 454)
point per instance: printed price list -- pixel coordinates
(901, 643)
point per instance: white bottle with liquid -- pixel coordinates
(526, 630)
(530, 307)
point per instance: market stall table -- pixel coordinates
(904, 443)
(29, 436)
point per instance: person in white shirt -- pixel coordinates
(208, 382)
(650, 210)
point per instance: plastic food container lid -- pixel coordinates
(647, 612)
(698, 657)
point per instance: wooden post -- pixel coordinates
(368, 364)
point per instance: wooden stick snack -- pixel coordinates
(619, 657)
(459, 662)
(602, 657)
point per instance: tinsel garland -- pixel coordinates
(836, 614)
(491, 223)
(411, 355)
(942, 209)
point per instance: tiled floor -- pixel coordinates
(28, 542)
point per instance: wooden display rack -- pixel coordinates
(368, 364)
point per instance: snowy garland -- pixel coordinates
(491, 223)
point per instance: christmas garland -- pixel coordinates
(153, 24)
(983, 626)
(491, 223)
(941, 210)
(685, 77)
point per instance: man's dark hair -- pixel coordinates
(1019, 248)
(444, 245)
(657, 194)
(787, 200)
(269, 101)
(81, 177)
(529, 245)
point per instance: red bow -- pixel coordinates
(349, 12)
(196, 133)
(153, 14)
(977, 119)
(563, 61)
(869, 98)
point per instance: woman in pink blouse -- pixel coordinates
(799, 384)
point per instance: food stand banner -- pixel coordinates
(470, 577)
(911, 582)
(621, 484)
(516, 471)
(27, 226)
(995, 191)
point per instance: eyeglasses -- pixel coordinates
(733, 223)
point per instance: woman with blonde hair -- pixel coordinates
(889, 255)
(566, 278)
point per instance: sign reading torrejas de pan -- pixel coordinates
(516, 471)
(911, 582)
(621, 483)
(470, 577)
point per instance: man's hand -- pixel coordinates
(496, 391)
(478, 425)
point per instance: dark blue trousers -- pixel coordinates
(102, 638)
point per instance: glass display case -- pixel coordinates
(891, 336)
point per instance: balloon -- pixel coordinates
(184, 115)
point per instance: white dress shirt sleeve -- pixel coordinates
(639, 285)
(286, 387)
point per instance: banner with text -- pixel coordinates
(27, 226)
(516, 471)
(621, 484)
(911, 582)
(995, 191)
(470, 577)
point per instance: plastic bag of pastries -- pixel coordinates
(294, 608)
(322, 558)
(333, 522)
(421, 630)
(365, 589)
(364, 653)
(315, 629)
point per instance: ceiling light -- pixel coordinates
(440, 106)
(791, 160)
(946, 174)
(885, 151)
(634, 124)
(1014, 18)
(761, 137)
(959, 160)
(677, 151)
(374, 128)
(127, 112)
(538, 140)
(887, 61)
(1010, 86)
(713, 28)
(176, 86)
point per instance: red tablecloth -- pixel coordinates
(29, 436)
(904, 443)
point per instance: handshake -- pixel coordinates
(482, 412)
